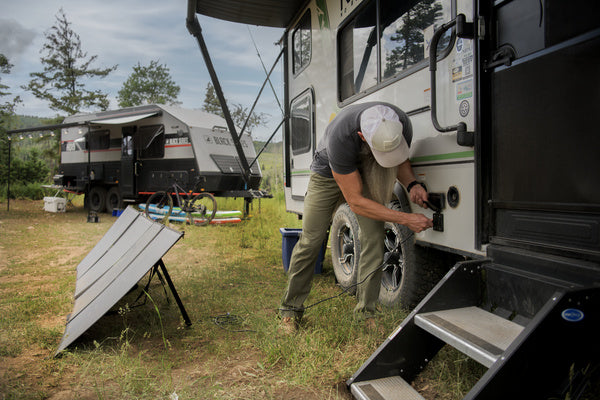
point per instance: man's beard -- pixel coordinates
(378, 182)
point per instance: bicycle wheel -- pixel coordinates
(201, 209)
(161, 204)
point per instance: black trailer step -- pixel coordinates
(477, 333)
(390, 388)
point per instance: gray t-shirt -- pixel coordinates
(339, 148)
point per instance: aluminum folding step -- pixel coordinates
(390, 388)
(481, 335)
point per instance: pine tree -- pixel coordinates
(66, 65)
(150, 84)
(239, 113)
(8, 107)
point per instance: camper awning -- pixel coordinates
(123, 120)
(274, 13)
(118, 117)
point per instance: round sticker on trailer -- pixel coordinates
(572, 315)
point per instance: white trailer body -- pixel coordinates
(323, 76)
(133, 152)
(504, 137)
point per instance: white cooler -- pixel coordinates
(55, 204)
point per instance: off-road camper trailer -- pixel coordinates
(133, 152)
(501, 95)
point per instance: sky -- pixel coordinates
(129, 32)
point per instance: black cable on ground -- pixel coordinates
(229, 321)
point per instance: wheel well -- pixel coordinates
(401, 196)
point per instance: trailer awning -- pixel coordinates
(120, 118)
(273, 13)
(123, 120)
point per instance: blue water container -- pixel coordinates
(289, 238)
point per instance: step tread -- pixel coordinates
(479, 334)
(390, 388)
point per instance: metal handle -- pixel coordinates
(463, 30)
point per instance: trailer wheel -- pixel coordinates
(113, 199)
(414, 270)
(400, 242)
(345, 247)
(201, 209)
(97, 198)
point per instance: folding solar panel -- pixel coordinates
(130, 248)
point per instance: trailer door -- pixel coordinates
(301, 143)
(541, 72)
(127, 181)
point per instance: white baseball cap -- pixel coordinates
(383, 131)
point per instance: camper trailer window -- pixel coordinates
(302, 123)
(151, 141)
(404, 36)
(301, 40)
(374, 47)
(99, 140)
(358, 52)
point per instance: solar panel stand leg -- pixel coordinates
(162, 282)
(184, 314)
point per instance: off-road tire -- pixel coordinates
(419, 269)
(345, 247)
(97, 199)
(114, 200)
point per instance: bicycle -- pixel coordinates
(194, 208)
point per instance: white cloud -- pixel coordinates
(14, 38)
(132, 31)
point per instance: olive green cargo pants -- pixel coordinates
(322, 198)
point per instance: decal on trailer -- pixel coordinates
(572, 315)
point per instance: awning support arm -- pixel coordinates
(268, 79)
(267, 142)
(193, 26)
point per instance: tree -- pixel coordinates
(8, 107)
(6, 111)
(148, 85)
(66, 65)
(239, 113)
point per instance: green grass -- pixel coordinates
(144, 350)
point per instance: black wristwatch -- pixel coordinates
(413, 183)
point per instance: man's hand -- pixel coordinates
(418, 195)
(418, 222)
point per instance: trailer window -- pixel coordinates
(358, 47)
(301, 43)
(374, 49)
(99, 140)
(151, 141)
(301, 123)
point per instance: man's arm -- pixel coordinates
(351, 186)
(418, 194)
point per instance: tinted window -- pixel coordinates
(301, 43)
(301, 124)
(373, 50)
(403, 39)
(358, 48)
(151, 141)
(99, 140)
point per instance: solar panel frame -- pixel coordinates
(130, 248)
